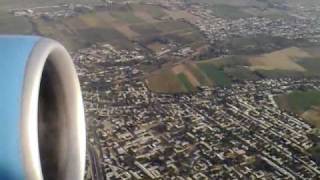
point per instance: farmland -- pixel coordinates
(217, 76)
(228, 11)
(183, 70)
(181, 78)
(299, 101)
(184, 81)
(191, 75)
(121, 27)
(8, 4)
(125, 16)
(304, 103)
(165, 81)
(289, 62)
(312, 65)
(283, 60)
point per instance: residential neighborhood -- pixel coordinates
(214, 133)
(226, 121)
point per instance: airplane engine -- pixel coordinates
(42, 126)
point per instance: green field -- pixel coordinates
(299, 101)
(238, 3)
(217, 76)
(153, 10)
(240, 73)
(242, 67)
(228, 11)
(178, 31)
(225, 70)
(312, 65)
(185, 82)
(82, 31)
(203, 80)
(315, 153)
(165, 81)
(126, 16)
(120, 27)
(304, 103)
(147, 29)
(174, 26)
(279, 73)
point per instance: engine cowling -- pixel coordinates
(42, 126)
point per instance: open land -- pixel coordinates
(178, 89)
(304, 103)
(120, 27)
(289, 62)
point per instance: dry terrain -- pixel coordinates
(184, 69)
(281, 60)
(179, 14)
(313, 116)
(222, 71)
(164, 81)
(120, 27)
(304, 103)
(157, 47)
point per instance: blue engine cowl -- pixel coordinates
(42, 126)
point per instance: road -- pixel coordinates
(96, 168)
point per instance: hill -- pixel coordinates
(289, 62)
(304, 103)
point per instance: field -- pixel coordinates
(314, 51)
(299, 101)
(150, 12)
(261, 44)
(227, 11)
(184, 81)
(190, 75)
(304, 103)
(312, 65)
(10, 24)
(231, 2)
(175, 30)
(281, 60)
(289, 62)
(201, 78)
(180, 78)
(145, 30)
(179, 14)
(165, 81)
(121, 27)
(217, 76)
(8, 4)
(125, 16)
(157, 47)
(183, 70)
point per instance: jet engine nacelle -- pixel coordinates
(42, 126)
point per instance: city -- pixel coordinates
(237, 131)
(214, 133)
